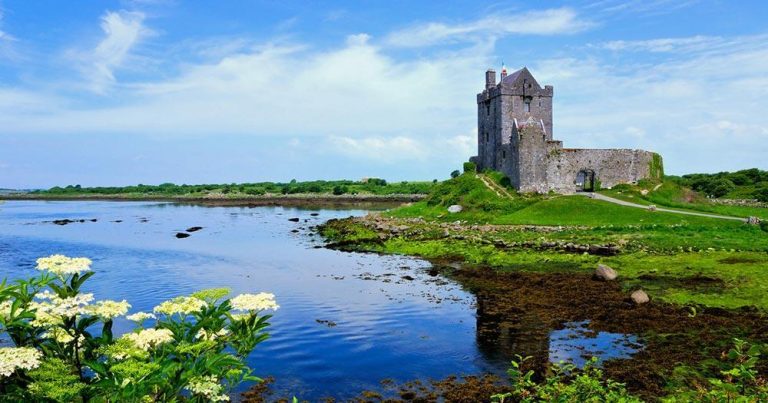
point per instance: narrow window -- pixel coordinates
(503, 154)
(527, 105)
(486, 137)
(487, 108)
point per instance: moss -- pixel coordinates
(656, 168)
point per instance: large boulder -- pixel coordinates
(455, 208)
(639, 297)
(605, 273)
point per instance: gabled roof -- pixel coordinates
(511, 79)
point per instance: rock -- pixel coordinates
(753, 221)
(315, 214)
(644, 192)
(194, 229)
(294, 219)
(407, 277)
(605, 273)
(455, 208)
(62, 222)
(182, 235)
(639, 297)
(652, 207)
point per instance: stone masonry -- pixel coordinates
(514, 136)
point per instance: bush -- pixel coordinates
(470, 167)
(340, 190)
(505, 182)
(761, 194)
(764, 225)
(455, 174)
(566, 384)
(194, 350)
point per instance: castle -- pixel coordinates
(514, 136)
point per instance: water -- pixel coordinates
(386, 326)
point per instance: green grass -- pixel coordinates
(665, 253)
(482, 205)
(675, 196)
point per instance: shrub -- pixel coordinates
(505, 182)
(764, 225)
(470, 167)
(566, 384)
(455, 173)
(761, 194)
(340, 190)
(194, 350)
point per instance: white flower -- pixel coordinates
(181, 305)
(140, 317)
(257, 302)
(208, 387)
(50, 313)
(203, 334)
(5, 309)
(148, 338)
(109, 309)
(62, 265)
(61, 336)
(13, 358)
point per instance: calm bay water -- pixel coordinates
(392, 318)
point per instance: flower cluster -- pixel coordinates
(108, 309)
(254, 302)
(62, 265)
(61, 335)
(208, 335)
(50, 312)
(13, 358)
(5, 309)
(208, 387)
(181, 305)
(140, 317)
(148, 338)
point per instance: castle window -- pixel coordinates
(527, 106)
(487, 108)
(486, 137)
(503, 154)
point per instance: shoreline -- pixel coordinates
(292, 200)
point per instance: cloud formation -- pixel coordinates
(123, 30)
(537, 22)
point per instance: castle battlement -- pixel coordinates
(515, 136)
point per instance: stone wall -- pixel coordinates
(611, 167)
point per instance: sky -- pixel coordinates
(119, 92)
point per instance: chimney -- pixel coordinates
(490, 79)
(503, 71)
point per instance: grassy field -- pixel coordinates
(677, 258)
(672, 195)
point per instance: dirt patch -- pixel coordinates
(517, 311)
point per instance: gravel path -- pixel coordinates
(603, 197)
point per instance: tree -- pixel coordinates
(455, 174)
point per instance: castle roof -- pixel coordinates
(511, 78)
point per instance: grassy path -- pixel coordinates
(609, 199)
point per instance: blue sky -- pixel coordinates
(151, 91)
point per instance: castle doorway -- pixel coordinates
(585, 180)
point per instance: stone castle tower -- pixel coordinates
(514, 136)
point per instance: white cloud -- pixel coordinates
(355, 90)
(698, 42)
(123, 30)
(541, 22)
(379, 148)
